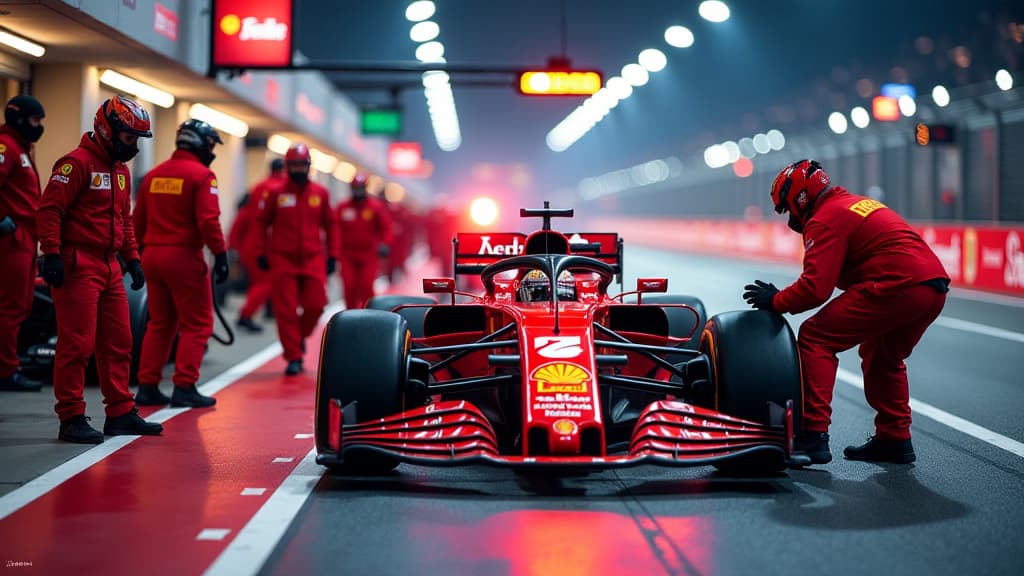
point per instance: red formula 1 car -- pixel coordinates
(545, 369)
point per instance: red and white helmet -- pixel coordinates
(797, 187)
(298, 153)
(359, 180)
(120, 114)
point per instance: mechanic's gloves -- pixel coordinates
(52, 270)
(138, 278)
(263, 262)
(7, 226)
(760, 295)
(383, 251)
(220, 267)
(332, 265)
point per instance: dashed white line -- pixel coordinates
(213, 534)
(941, 416)
(258, 539)
(282, 460)
(976, 328)
(253, 491)
(303, 436)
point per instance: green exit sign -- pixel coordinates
(382, 121)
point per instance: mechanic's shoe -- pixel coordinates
(150, 395)
(294, 368)
(18, 383)
(130, 424)
(77, 429)
(882, 450)
(249, 326)
(191, 398)
(815, 445)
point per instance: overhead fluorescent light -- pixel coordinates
(219, 120)
(21, 44)
(321, 161)
(278, 144)
(138, 89)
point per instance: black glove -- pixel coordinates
(138, 278)
(52, 270)
(220, 267)
(7, 226)
(263, 263)
(383, 250)
(760, 295)
(332, 265)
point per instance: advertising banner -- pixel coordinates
(250, 34)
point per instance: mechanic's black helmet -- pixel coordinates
(198, 137)
(17, 112)
(277, 164)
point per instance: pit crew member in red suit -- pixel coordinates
(402, 231)
(245, 239)
(365, 236)
(19, 201)
(300, 250)
(177, 212)
(893, 286)
(84, 223)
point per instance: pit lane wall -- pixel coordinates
(978, 257)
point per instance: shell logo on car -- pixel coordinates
(564, 427)
(561, 377)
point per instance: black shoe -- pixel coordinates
(294, 368)
(130, 424)
(18, 383)
(882, 450)
(77, 429)
(250, 326)
(190, 397)
(815, 445)
(150, 395)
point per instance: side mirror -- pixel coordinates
(645, 285)
(438, 285)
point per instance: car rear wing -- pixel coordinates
(473, 251)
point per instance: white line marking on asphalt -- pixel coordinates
(989, 297)
(252, 546)
(943, 417)
(303, 436)
(41, 485)
(968, 326)
(282, 460)
(253, 491)
(213, 534)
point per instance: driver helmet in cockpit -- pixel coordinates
(534, 287)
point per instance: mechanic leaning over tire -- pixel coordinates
(244, 239)
(298, 219)
(894, 288)
(177, 212)
(84, 223)
(365, 224)
(19, 201)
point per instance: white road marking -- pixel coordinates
(41, 485)
(989, 297)
(303, 436)
(253, 491)
(213, 534)
(983, 329)
(260, 536)
(941, 416)
(282, 460)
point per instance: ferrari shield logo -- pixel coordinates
(120, 181)
(66, 169)
(314, 201)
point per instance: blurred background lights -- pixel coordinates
(860, 117)
(907, 105)
(420, 10)
(1004, 80)
(761, 144)
(940, 95)
(430, 52)
(679, 37)
(713, 11)
(837, 122)
(743, 167)
(635, 74)
(483, 211)
(424, 31)
(776, 139)
(652, 59)
(619, 87)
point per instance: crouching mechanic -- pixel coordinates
(176, 214)
(298, 218)
(894, 288)
(84, 222)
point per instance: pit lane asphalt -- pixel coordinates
(958, 510)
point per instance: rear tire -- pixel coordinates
(754, 360)
(414, 316)
(363, 359)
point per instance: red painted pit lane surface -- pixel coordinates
(144, 506)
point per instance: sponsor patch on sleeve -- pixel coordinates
(866, 206)
(213, 187)
(26, 162)
(3, 148)
(66, 168)
(171, 186)
(314, 201)
(286, 201)
(99, 181)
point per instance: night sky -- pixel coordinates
(774, 64)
